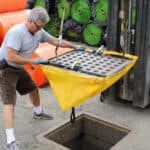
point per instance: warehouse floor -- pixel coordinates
(118, 112)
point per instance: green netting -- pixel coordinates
(80, 11)
(72, 34)
(92, 34)
(72, 30)
(81, 0)
(133, 17)
(52, 27)
(61, 6)
(41, 3)
(101, 10)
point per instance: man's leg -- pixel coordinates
(26, 85)
(8, 79)
(35, 100)
(8, 115)
(34, 97)
(38, 111)
(8, 121)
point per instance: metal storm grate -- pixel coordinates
(90, 63)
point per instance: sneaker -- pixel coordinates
(12, 146)
(42, 115)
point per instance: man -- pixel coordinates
(18, 45)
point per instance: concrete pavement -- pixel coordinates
(119, 112)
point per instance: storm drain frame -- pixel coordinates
(93, 64)
(93, 133)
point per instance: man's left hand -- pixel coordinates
(79, 48)
(39, 61)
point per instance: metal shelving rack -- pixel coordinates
(140, 74)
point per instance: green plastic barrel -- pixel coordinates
(63, 5)
(100, 11)
(80, 11)
(52, 27)
(92, 34)
(41, 3)
(133, 16)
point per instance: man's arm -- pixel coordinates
(63, 43)
(15, 58)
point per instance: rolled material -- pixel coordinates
(92, 34)
(36, 73)
(12, 5)
(63, 5)
(80, 11)
(7, 20)
(47, 51)
(52, 27)
(100, 11)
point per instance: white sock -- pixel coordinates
(38, 109)
(10, 135)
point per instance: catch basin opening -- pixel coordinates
(88, 133)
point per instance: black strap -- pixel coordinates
(2, 64)
(7, 65)
(102, 97)
(72, 116)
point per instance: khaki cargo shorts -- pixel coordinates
(12, 80)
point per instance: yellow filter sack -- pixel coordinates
(72, 88)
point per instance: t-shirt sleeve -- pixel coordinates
(45, 36)
(14, 40)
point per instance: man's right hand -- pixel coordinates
(39, 61)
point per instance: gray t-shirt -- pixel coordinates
(20, 39)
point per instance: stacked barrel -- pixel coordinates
(85, 20)
(11, 13)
